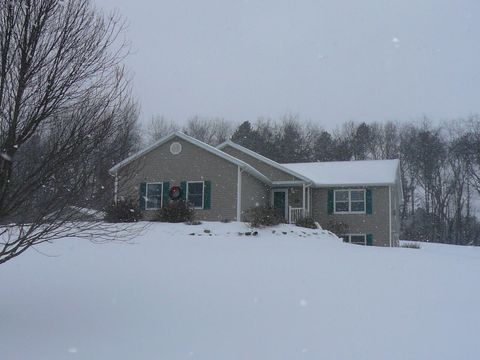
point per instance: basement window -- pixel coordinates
(358, 239)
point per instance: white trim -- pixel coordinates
(347, 186)
(390, 213)
(284, 183)
(286, 199)
(203, 192)
(399, 183)
(310, 201)
(349, 202)
(262, 158)
(146, 195)
(175, 148)
(115, 189)
(303, 201)
(239, 194)
(198, 143)
(291, 211)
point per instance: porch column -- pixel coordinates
(303, 200)
(309, 189)
(115, 189)
(239, 194)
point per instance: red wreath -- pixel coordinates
(175, 192)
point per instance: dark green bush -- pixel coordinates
(306, 222)
(176, 212)
(123, 211)
(260, 216)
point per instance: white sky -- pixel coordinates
(327, 61)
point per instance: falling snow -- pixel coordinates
(274, 296)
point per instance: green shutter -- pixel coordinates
(183, 187)
(369, 201)
(166, 193)
(369, 239)
(207, 190)
(142, 195)
(330, 202)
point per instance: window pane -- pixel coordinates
(195, 188)
(341, 206)
(195, 200)
(358, 206)
(195, 194)
(341, 195)
(357, 239)
(154, 196)
(357, 195)
(344, 238)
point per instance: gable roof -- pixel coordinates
(349, 173)
(243, 165)
(265, 160)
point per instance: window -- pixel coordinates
(195, 193)
(357, 200)
(153, 196)
(350, 201)
(358, 239)
(342, 200)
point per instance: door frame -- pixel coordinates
(286, 199)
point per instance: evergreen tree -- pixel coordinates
(324, 147)
(245, 135)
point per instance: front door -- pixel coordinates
(280, 202)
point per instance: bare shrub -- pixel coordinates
(306, 222)
(411, 245)
(123, 211)
(264, 216)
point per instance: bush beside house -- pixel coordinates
(306, 222)
(123, 211)
(264, 216)
(176, 212)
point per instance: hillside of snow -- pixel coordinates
(211, 292)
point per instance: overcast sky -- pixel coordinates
(327, 61)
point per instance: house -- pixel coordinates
(358, 200)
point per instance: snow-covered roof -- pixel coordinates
(262, 158)
(243, 165)
(348, 173)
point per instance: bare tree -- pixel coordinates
(212, 131)
(158, 127)
(62, 86)
(470, 150)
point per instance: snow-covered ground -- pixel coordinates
(221, 295)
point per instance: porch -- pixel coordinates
(293, 201)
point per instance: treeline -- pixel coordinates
(440, 164)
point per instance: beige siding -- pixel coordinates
(254, 193)
(193, 163)
(376, 223)
(269, 171)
